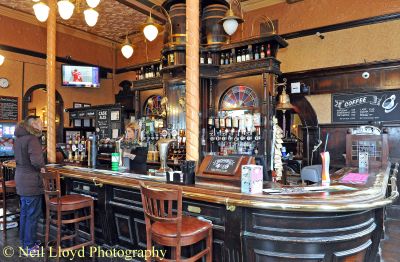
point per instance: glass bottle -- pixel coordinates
(269, 50)
(201, 58)
(209, 58)
(239, 57)
(222, 62)
(262, 55)
(227, 59)
(243, 55)
(257, 53)
(249, 56)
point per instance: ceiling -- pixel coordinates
(118, 17)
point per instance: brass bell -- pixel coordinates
(284, 102)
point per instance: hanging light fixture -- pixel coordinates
(231, 21)
(41, 11)
(65, 9)
(127, 48)
(1, 59)
(151, 28)
(91, 16)
(92, 3)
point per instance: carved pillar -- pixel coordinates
(192, 80)
(51, 82)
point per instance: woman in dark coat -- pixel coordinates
(29, 163)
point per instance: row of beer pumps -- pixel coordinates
(235, 134)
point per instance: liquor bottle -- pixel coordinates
(171, 59)
(269, 50)
(243, 55)
(249, 55)
(209, 58)
(153, 72)
(228, 122)
(210, 122)
(239, 57)
(137, 75)
(222, 59)
(201, 58)
(257, 53)
(227, 59)
(222, 123)
(216, 121)
(262, 55)
(233, 56)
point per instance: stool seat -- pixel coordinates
(192, 231)
(71, 202)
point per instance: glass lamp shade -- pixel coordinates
(127, 50)
(65, 9)
(41, 11)
(230, 26)
(91, 17)
(150, 31)
(1, 59)
(93, 3)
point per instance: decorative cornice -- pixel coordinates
(30, 19)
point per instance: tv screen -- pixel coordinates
(80, 76)
(7, 139)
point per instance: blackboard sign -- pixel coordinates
(90, 113)
(366, 107)
(103, 123)
(8, 108)
(223, 165)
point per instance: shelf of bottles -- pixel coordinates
(76, 148)
(172, 58)
(236, 55)
(235, 132)
(149, 72)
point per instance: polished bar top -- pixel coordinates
(366, 196)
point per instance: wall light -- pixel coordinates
(1, 59)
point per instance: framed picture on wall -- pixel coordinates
(87, 105)
(77, 105)
(32, 112)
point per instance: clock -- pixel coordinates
(4, 83)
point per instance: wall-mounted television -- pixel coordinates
(80, 76)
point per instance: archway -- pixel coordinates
(59, 108)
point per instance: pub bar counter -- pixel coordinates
(318, 226)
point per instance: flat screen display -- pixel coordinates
(7, 139)
(80, 76)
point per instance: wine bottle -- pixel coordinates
(248, 53)
(269, 50)
(262, 52)
(201, 58)
(227, 59)
(243, 55)
(257, 53)
(239, 57)
(209, 59)
(222, 62)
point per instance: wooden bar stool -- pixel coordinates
(57, 207)
(168, 227)
(8, 191)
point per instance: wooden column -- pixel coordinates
(192, 80)
(51, 82)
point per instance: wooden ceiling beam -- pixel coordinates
(144, 9)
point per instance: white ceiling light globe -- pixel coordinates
(150, 32)
(65, 9)
(230, 26)
(127, 51)
(93, 3)
(1, 59)
(41, 11)
(91, 17)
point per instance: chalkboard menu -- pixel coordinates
(223, 165)
(103, 123)
(8, 108)
(366, 107)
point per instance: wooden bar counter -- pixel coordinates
(318, 226)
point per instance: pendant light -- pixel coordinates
(91, 16)
(150, 29)
(65, 9)
(1, 59)
(93, 3)
(127, 48)
(231, 21)
(41, 11)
